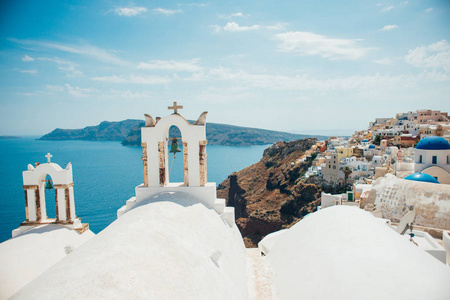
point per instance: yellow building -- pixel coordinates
(343, 152)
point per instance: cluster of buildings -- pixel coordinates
(409, 143)
(397, 169)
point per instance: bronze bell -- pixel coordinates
(49, 185)
(174, 148)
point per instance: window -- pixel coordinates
(420, 159)
(434, 160)
(448, 159)
(329, 166)
(334, 167)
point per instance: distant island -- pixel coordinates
(8, 137)
(128, 132)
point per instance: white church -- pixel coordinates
(176, 240)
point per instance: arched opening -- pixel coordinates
(175, 160)
(48, 198)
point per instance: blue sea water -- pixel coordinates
(104, 173)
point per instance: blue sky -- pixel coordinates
(299, 66)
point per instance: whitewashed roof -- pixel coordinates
(25, 257)
(343, 252)
(172, 249)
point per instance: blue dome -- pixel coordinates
(372, 147)
(433, 143)
(364, 141)
(421, 177)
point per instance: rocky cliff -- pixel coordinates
(105, 131)
(270, 195)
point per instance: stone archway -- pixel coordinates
(155, 144)
(184, 144)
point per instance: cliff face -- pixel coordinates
(105, 131)
(269, 195)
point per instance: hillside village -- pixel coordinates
(387, 227)
(387, 146)
(393, 157)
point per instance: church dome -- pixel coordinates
(364, 141)
(372, 147)
(421, 177)
(433, 143)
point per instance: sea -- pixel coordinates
(105, 175)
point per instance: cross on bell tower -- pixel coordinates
(48, 157)
(175, 107)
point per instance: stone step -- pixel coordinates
(219, 205)
(228, 215)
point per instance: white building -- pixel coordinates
(432, 156)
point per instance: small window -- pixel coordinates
(334, 167)
(420, 159)
(329, 166)
(434, 160)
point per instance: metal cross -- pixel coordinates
(48, 157)
(175, 107)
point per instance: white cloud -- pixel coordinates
(32, 71)
(429, 10)
(388, 8)
(198, 4)
(308, 43)
(389, 27)
(167, 12)
(110, 79)
(305, 82)
(149, 79)
(234, 15)
(383, 61)
(130, 11)
(127, 94)
(64, 65)
(85, 50)
(279, 26)
(172, 65)
(77, 91)
(134, 79)
(27, 58)
(196, 77)
(234, 27)
(54, 88)
(71, 90)
(435, 56)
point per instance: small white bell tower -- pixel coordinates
(34, 184)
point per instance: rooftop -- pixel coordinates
(421, 177)
(433, 143)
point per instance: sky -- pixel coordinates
(324, 67)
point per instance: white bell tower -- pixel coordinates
(155, 137)
(155, 142)
(35, 207)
